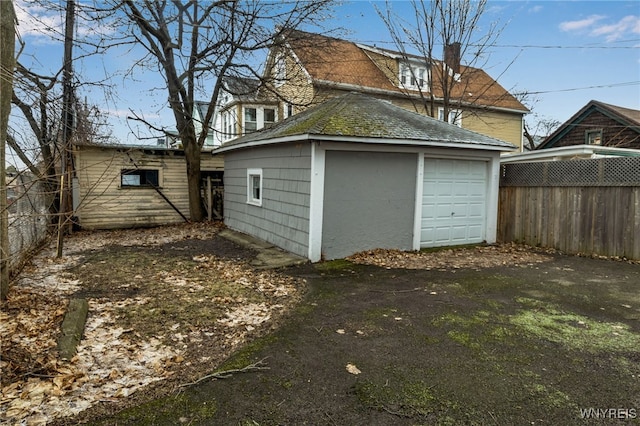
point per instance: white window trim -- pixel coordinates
(250, 198)
(410, 74)
(456, 113)
(259, 116)
(280, 70)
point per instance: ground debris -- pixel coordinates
(214, 305)
(454, 258)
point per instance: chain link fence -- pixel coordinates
(29, 218)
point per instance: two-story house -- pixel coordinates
(316, 67)
(242, 109)
(310, 68)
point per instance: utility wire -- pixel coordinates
(573, 89)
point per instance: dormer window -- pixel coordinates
(413, 77)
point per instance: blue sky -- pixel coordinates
(565, 53)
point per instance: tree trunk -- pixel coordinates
(7, 62)
(192, 154)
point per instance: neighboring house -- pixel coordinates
(117, 186)
(358, 173)
(598, 124)
(312, 68)
(172, 138)
(242, 110)
(571, 152)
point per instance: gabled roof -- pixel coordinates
(330, 60)
(625, 116)
(359, 118)
(243, 88)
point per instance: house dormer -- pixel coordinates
(413, 76)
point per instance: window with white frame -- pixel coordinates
(250, 120)
(228, 125)
(413, 77)
(257, 117)
(254, 187)
(455, 116)
(280, 70)
(288, 110)
(269, 116)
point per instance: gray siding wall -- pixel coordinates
(369, 202)
(283, 218)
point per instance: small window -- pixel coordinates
(288, 110)
(139, 178)
(254, 187)
(455, 116)
(269, 116)
(250, 120)
(404, 75)
(593, 137)
(280, 70)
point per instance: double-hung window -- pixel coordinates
(269, 116)
(250, 120)
(254, 187)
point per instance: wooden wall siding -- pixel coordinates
(283, 218)
(596, 218)
(103, 204)
(613, 133)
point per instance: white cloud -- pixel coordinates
(46, 24)
(535, 9)
(618, 30)
(580, 24)
(36, 21)
(612, 31)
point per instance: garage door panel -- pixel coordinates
(453, 202)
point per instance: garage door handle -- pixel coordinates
(452, 213)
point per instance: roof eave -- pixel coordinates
(365, 140)
(397, 93)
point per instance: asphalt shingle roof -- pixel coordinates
(362, 118)
(340, 61)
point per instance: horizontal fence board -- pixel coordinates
(593, 209)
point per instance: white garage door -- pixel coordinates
(453, 202)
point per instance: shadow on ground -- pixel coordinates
(552, 343)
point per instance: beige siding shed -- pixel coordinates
(154, 192)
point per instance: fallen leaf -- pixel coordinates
(353, 369)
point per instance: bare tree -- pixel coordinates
(195, 45)
(7, 60)
(454, 27)
(539, 130)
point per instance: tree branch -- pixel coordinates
(256, 366)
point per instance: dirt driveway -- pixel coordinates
(550, 341)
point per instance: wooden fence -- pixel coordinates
(579, 206)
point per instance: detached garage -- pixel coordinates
(357, 173)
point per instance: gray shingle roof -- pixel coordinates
(360, 118)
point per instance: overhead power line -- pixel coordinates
(573, 89)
